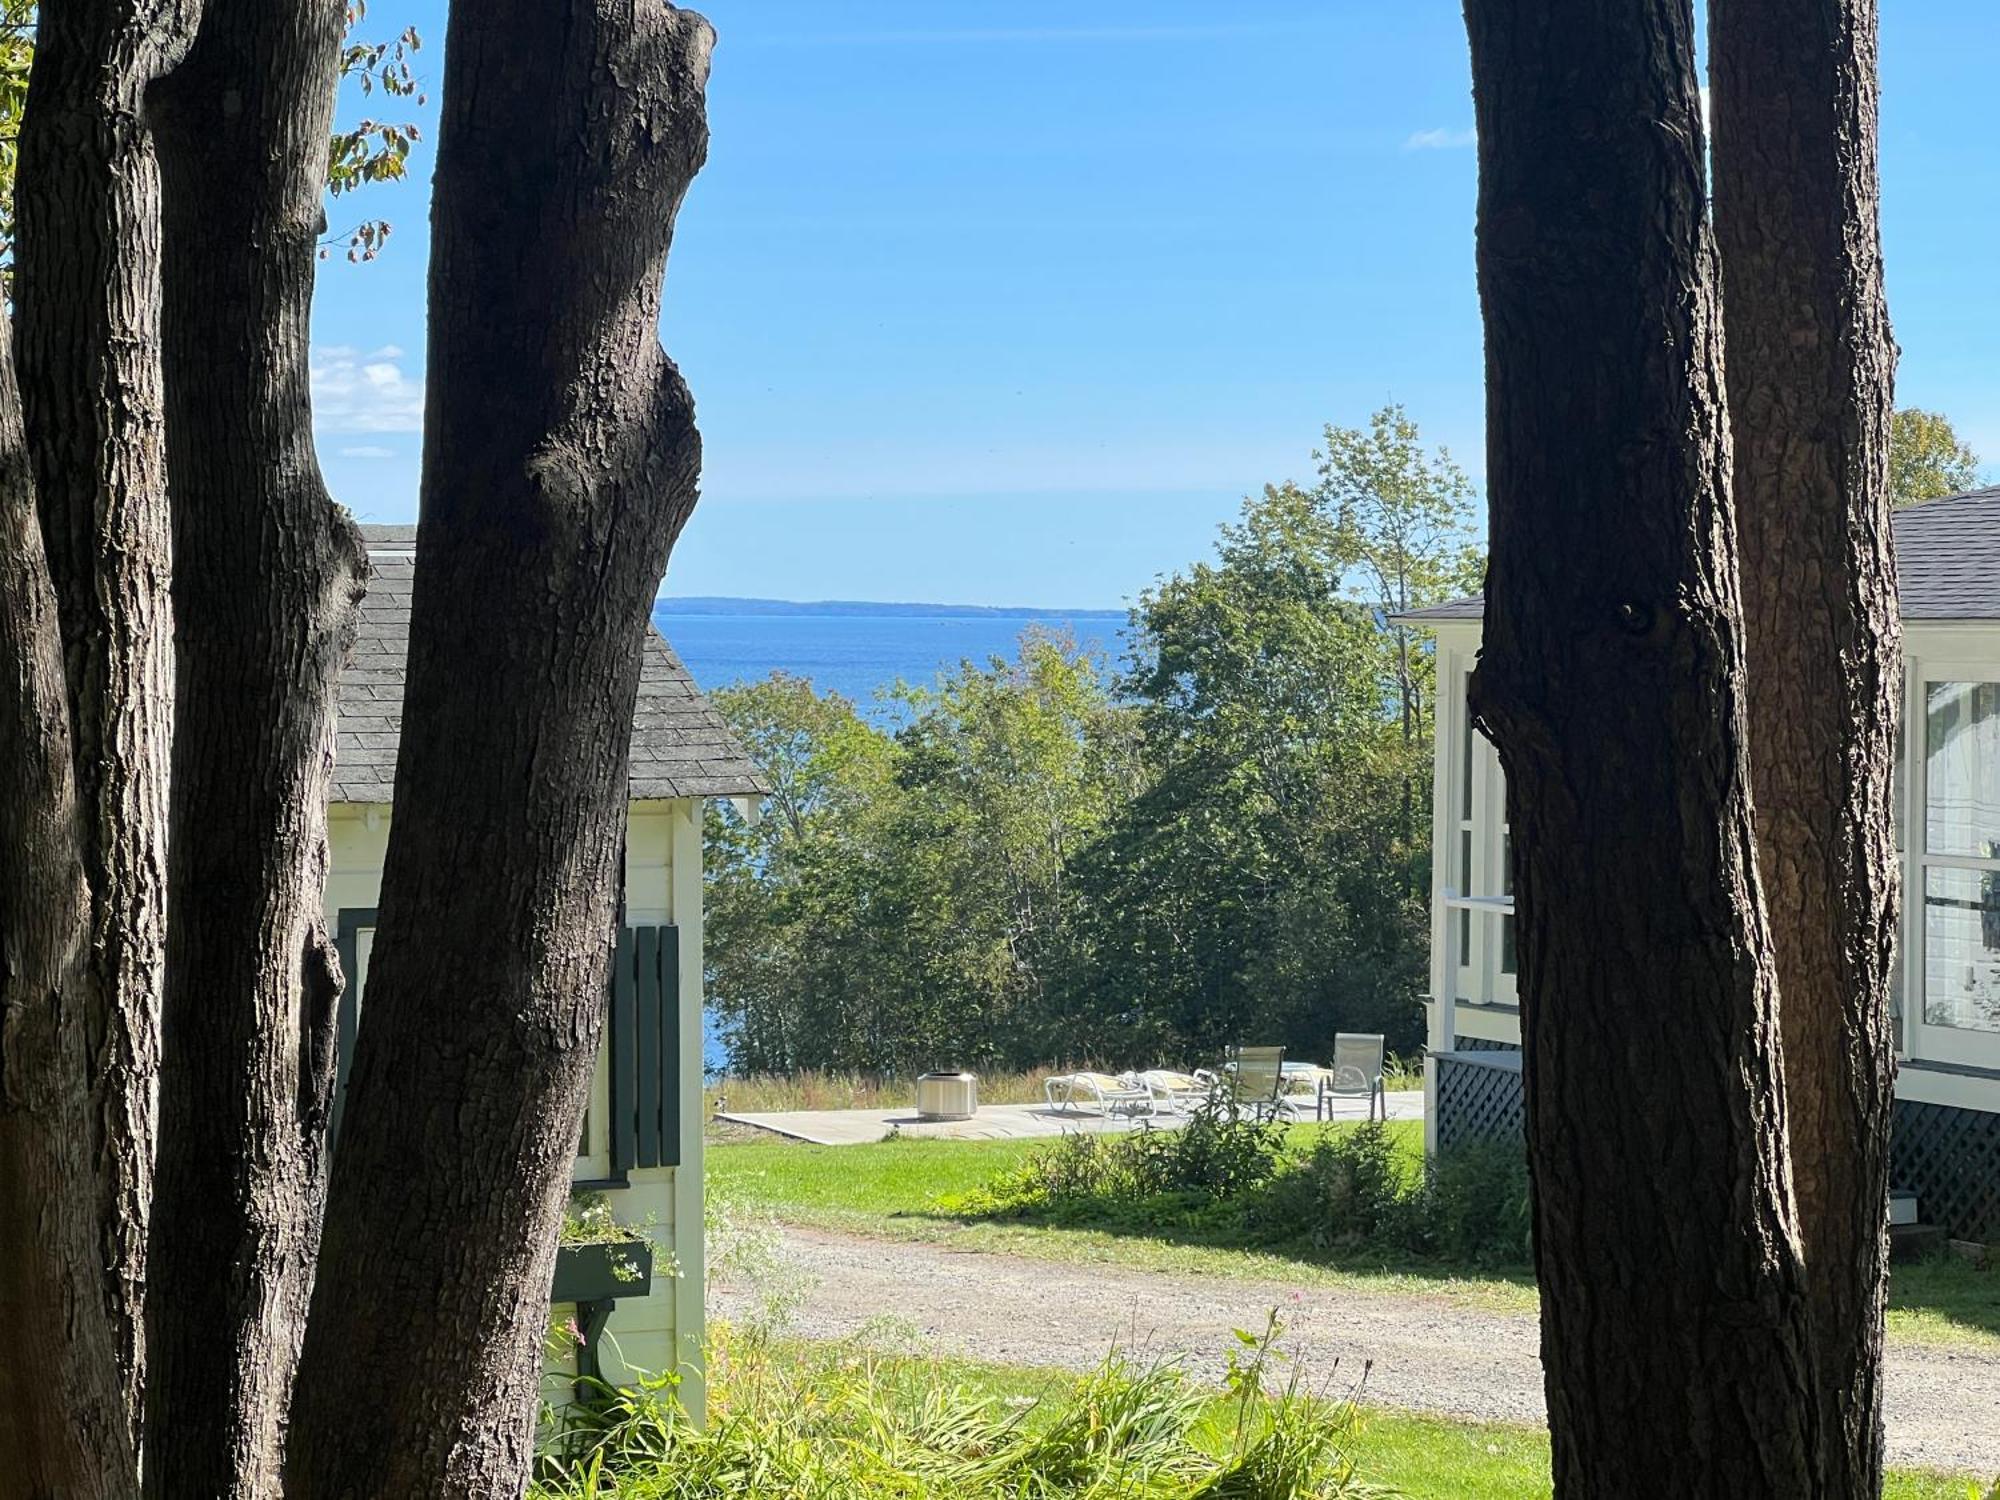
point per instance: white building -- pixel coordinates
(642, 1138)
(1946, 1146)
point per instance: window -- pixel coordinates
(1479, 862)
(1959, 867)
(1464, 877)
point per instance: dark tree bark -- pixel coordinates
(1674, 1328)
(64, 1432)
(87, 284)
(1811, 371)
(268, 572)
(560, 460)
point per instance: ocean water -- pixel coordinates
(856, 654)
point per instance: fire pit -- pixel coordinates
(947, 1096)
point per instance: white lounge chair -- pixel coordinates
(1178, 1093)
(1112, 1096)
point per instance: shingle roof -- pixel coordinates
(1947, 562)
(680, 745)
(1948, 557)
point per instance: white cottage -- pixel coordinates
(1946, 1146)
(641, 1142)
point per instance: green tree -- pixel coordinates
(178, 592)
(1262, 880)
(1927, 458)
(1007, 773)
(782, 906)
(907, 900)
(1406, 516)
(1035, 866)
(368, 150)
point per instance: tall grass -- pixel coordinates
(771, 1093)
(793, 1423)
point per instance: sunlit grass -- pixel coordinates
(873, 1417)
(893, 1189)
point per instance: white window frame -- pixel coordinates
(1478, 944)
(1923, 1040)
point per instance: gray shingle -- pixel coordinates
(1947, 562)
(680, 745)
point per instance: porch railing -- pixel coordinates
(1449, 904)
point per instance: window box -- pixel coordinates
(603, 1272)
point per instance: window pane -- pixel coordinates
(1962, 949)
(1506, 889)
(1962, 766)
(1465, 889)
(1465, 770)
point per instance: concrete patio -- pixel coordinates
(857, 1127)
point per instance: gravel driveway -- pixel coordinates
(1421, 1353)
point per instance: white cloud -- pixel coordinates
(1441, 140)
(353, 392)
(367, 450)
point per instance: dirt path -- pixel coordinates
(1423, 1354)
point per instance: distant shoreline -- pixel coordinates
(704, 604)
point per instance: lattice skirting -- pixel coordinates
(1477, 1103)
(1950, 1158)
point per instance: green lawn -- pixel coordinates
(892, 1189)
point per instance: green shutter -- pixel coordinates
(644, 1042)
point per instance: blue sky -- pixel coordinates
(1013, 303)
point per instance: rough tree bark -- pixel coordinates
(268, 572)
(87, 289)
(1811, 370)
(1674, 1328)
(560, 460)
(64, 1431)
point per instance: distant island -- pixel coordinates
(706, 604)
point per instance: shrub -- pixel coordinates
(1138, 1177)
(1349, 1189)
(1478, 1210)
(1218, 1154)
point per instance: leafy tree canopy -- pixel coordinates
(1927, 458)
(1229, 842)
(369, 150)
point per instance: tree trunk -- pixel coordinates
(64, 1430)
(1674, 1331)
(560, 461)
(1810, 374)
(87, 282)
(268, 576)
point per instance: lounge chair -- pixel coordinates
(1356, 1073)
(1257, 1081)
(1178, 1093)
(1112, 1096)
